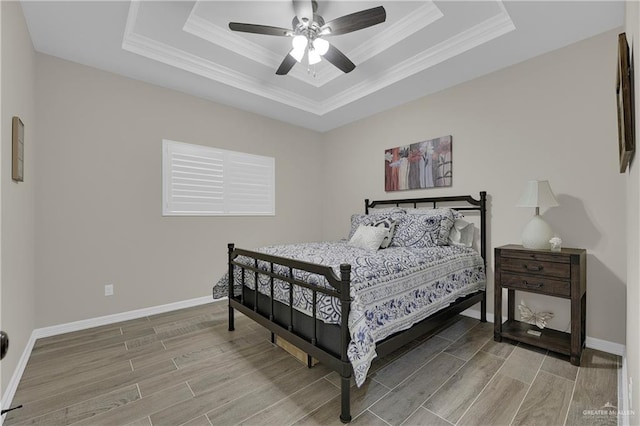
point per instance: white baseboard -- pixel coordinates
(123, 316)
(54, 330)
(472, 313)
(623, 394)
(605, 346)
(9, 393)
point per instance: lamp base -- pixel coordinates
(536, 234)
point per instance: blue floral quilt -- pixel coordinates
(391, 289)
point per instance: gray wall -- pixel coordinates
(552, 117)
(17, 315)
(98, 194)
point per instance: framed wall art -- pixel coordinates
(624, 94)
(425, 164)
(17, 151)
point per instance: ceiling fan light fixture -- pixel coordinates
(321, 46)
(308, 29)
(314, 57)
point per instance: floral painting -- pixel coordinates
(420, 165)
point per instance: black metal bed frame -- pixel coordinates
(328, 342)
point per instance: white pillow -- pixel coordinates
(368, 237)
(461, 233)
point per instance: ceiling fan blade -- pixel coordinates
(286, 65)
(356, 21)
(259, 29)
(339, 59)
(303, 9)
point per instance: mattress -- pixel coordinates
(391, 289)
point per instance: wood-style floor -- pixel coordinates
(184, 367)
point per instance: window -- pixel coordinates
(203, 181)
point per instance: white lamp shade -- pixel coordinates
(538, 194)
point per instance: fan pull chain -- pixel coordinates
(309, 70)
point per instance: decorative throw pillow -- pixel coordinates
(390, 225)
(461, 233)
(424, 230)
(368, 219)
(368, 237)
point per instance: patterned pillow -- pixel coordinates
(424, 230)
(367, 219)
(368, 237)
(388, 224)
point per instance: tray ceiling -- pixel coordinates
(423, 47)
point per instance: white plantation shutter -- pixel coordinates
(204, 181)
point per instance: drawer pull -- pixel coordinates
(534, 268)
(532, 285)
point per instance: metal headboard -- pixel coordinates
(457, 202)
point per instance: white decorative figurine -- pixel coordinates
(536, 318)
(556, 244)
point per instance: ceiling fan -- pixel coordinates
(309, 31)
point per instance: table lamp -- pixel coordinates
(537, 233)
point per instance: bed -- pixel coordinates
(345, 305)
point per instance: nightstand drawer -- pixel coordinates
(536, 284)
(536, 267)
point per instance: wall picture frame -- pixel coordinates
(421, 165)
(625, 101)
(17, 150)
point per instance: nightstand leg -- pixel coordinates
(511, 304)
(497, 314)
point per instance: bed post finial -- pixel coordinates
(366, 206)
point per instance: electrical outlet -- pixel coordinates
(108, 290)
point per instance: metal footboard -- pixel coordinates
(285, 327)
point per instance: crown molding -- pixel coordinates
(223, 37)
(477, 35)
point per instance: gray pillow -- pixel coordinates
(461, 233)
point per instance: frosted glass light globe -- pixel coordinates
(321, 46)
(314, 57)
(299, 42)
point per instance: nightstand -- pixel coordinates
(559, 274)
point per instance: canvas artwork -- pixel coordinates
(420, 165)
